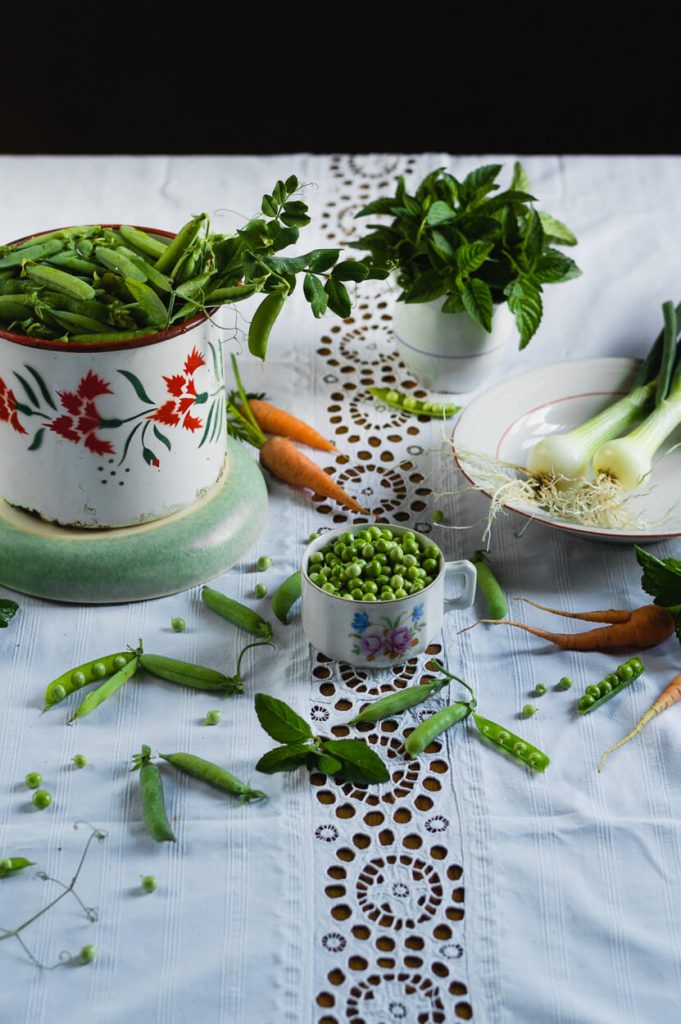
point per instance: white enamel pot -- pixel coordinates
(112, 434)
(377, 634)
(450, 351)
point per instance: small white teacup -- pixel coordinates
(376, 634)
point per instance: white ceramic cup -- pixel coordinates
(450, 351)
(376, 634)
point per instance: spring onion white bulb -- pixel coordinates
(628, 460)
(566, 458)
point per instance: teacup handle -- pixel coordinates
(467, 570)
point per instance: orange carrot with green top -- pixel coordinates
(280, 455)
(275, 421)
(668, 697)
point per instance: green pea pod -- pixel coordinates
(237, 613)
(610, 686)
(143, 241)
(180, 243)
(516, 746)
(488, 585)
(90, 672)
(214, 775)
(59, 280)
(399, 701)
(106, 336)
(92, 308)
(155, 279)
(195, 676)
(76, 321)
(77, 264)
(424, 734)
(11, 311)
(37, 250)
(153, 308)
(107, 689)
(286, 595)
(118, 263)
(414, 406)
(263, 322)
(153, 802)
(194, 287)
(12, 865)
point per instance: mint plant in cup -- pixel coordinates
(470, 266)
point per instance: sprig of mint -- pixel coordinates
(662, 580)
(347, 760)
(454, 240)
(8, 610)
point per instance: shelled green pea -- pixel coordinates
(374, 564)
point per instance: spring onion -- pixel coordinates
(566, 458)
(628, 460)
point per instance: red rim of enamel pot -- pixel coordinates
(107, 346)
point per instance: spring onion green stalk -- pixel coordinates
(566, 458)
(628, 460)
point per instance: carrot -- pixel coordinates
(289, 464)
(668, 697)
(276, 421)
(608, 615)
(642, 627)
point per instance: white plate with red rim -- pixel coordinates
(509, 418)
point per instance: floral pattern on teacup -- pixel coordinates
(386, 638)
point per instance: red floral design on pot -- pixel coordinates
(183, 389)
(83, 419)
(8, 408)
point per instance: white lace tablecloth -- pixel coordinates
(331, 904)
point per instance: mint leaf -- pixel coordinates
(440, 213)
(360, 763)
(442, 247)
(524, 301)
(553, 267)
(280, 721)
(427, 287)
(480, 181)
(8, 610)
(472, 256)
(453, 304)
(477, 301)
(520, 179)
(555, 231)
(534, 239)
(384, 204)
(313, 289)
(661, 578)
(283, 759)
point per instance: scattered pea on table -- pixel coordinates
(564, 684)
(149, 883)
(87, 954)
(42, 799)
(213, 717)
(33, 780)
(263, 563)
(79, 760)
(529, 710)
(540, 689)
(178, 625)
(260, 590)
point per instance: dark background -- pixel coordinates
(351, 78)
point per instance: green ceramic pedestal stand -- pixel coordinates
(136, 563)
